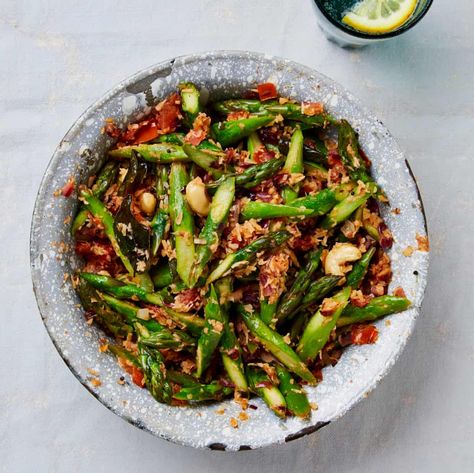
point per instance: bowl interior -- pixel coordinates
(219, 74)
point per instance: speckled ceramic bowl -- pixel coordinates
(219, 75)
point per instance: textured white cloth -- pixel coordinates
(58, 56)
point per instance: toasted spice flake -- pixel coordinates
(312, 108)
(359, 299)
(243, 402)
(408, 251)
(243, 416)
(273, 276)
(237, 115)
(234, 423)
(96, 382)
(399, 292)
(328, 307)
(423, 243)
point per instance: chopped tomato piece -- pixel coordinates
(169, 114)
(163, 119)
(137, 376)
(364, 334)
(68, 188)
(267, 91)
(262, 155)
(200, 130)
(146, 133)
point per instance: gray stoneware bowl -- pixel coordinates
(219, 74)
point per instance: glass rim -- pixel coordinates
(362, 35)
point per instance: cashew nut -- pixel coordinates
(147, 202)
(197, 197)
(338, 258)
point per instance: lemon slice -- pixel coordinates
(379, 16)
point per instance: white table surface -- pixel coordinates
(58, 56)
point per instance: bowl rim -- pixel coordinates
(148, 75)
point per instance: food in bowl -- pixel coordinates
(235, 248)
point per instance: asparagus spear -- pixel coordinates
(185, 380)
(248, 253)
(322, 202)
(255, 209)
(292, 298)
(293, 164)
(203, 392)
(163, 276)
(177, 340)
(319, 328)
(234, 105)
(314, 150)
(173, 138)
(105, 317)
(276, 345)
(349, 151)
(160, 220)
(189, 102)
(204, 158)
(162, 153)
(376, 308)
(210, 233)
(319, 289)
(316, 292)
(211, 334)
(289, 110)
(144, 281)
(309, 206)
(261, 384)
(183, 223)
(229, 346)
(253, 175)
(344, 209)
(268, 311)
(105, 283)
(310, 166)
(191, 322)
(231, 132)
(296, 401)
(147, 328)
(298, 324)
(99, 211)
(120, 352)
(231, 357)
(155, 374)
(104, 180)
(253, 143)
(359, 270)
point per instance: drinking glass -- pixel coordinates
(329, 13)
